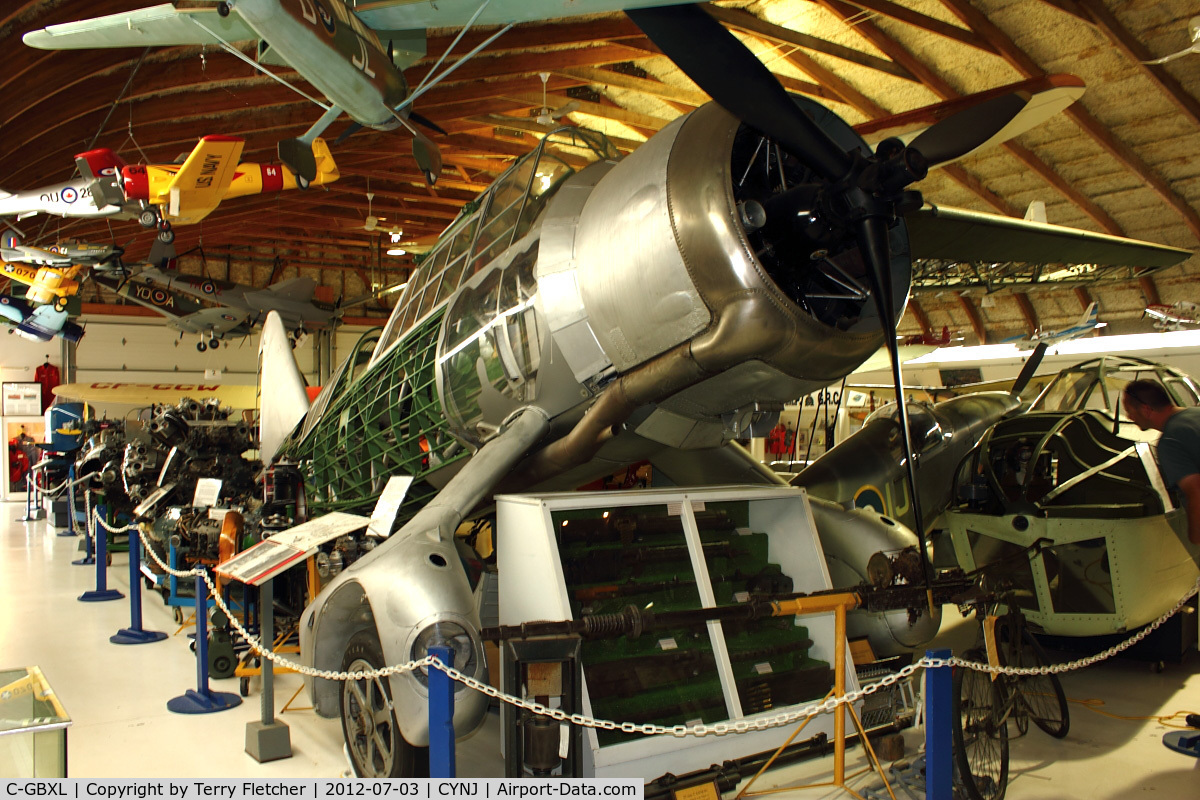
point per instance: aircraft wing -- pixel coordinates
(143, 394)
(956, 234)
(880, 359)
(204, 177)
(161, 25)
(300, 288)
(208, 320)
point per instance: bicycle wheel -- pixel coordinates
(980, 739)
(1041, 695)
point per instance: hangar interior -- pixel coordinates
(563, 263)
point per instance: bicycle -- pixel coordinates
(983, 707)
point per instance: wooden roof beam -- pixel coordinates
(1028, 313)
(745, 21)
(932, 25)
(943, 89)
(1124, 154)
(973, 317)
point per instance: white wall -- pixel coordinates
(144, 350)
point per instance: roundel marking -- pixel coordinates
(870, 497)
(326, 18)
(69, 195)
(158, 297)
(207, 287)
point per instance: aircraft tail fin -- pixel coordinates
(100, 163)
(283, 401)
(327, 171)
(1090, 315)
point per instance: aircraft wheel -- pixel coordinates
(201, 346)
(214, 343)
(377, 750)
(148, 218)
(166, 235)
(223, 10)
(60, 304)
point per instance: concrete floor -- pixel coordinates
(117, 697)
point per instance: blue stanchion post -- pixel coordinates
(441, 715)
(101, 592)
(202, 700)
(939, 759)
(135, 634)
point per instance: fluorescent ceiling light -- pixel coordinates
(396, 251)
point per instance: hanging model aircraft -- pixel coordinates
(1087, 323)
(1174, 317)
(588, 313)
(186, 193)
(81, 197)
(291, 299)
(38, 323)
(182, 313)
(54, 274)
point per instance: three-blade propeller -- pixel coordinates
(863, 192)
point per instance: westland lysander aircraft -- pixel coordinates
(183, 314)
(588, 313)
(41, 323)
(1087, 323)
(292, 299)
(1174, 317)
(187, 193)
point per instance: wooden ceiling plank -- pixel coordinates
(920, 316)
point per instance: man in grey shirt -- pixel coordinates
(1149, 406)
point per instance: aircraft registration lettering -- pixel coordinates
(209, 168)
(155, 296)
(175, 387)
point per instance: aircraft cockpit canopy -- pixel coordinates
(925, 429)
(503, 214)
(1097, 384)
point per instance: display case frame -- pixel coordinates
(532, 587)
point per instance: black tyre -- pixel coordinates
(373, 738)
(1041, 696)
(148, 218)
(201, 346)
(214, 343)
(980, 740)
(166, 236)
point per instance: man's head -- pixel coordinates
(1147, 404)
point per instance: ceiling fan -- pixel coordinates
(544, 116)
(371, 222)
(1194, 29)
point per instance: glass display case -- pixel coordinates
(33, 726)
(565, 555)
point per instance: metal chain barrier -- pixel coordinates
(717, 729)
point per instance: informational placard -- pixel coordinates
(22, 399)
(272, 556)
(207, 492)
(388, 506)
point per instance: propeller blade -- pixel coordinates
(970, 128)
(731, 75)
(428, 123)
(1027, 371)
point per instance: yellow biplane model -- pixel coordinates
(47, 284)
(187, 193)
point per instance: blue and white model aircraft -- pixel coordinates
(1087, 323)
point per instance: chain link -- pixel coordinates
(717, 729)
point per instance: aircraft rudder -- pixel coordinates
(283, 401)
